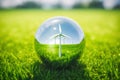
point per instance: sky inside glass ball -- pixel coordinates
(71, 31)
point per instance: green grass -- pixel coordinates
(100, 60)
(50, 57)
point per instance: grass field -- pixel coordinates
(100, 60)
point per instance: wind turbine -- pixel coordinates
(59, 35)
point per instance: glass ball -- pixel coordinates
(59, 42)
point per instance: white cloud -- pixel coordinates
(109, 4)
(68, 4)
(11, 3)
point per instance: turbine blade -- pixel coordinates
(60, 30)
(54, 36)
(65, 35)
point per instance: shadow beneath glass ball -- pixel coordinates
(77, 71)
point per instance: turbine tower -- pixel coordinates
(60, 35)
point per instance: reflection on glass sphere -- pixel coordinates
(59, 40)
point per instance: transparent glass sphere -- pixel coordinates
(59, 40)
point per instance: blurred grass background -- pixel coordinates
(100, 60)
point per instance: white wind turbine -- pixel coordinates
(60, 35)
